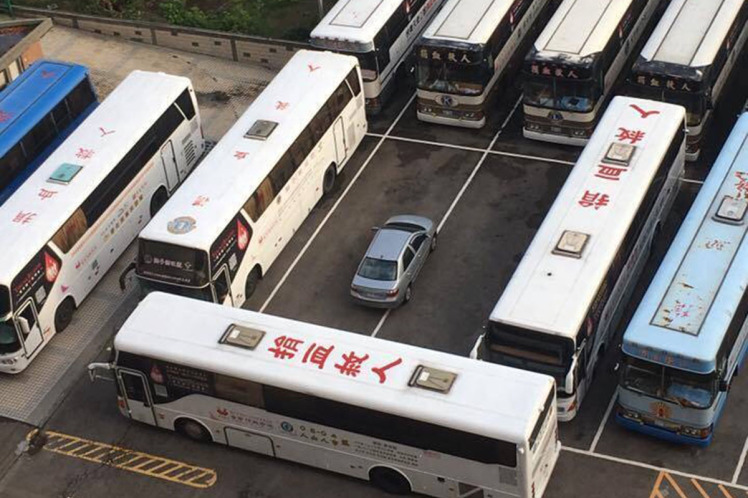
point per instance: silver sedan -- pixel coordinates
(393, 260)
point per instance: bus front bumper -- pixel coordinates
(673, 435)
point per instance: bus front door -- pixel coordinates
(134, 388)
(169, 163)
(28, 326)
(341, 150)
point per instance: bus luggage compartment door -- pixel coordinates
(169, 163)
(249, 441)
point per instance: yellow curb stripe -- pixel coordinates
(129, 460)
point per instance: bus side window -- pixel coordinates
(282, 172)
(184, 102)
(134, 387)
(321, 123)
(61, 115)
(10, 163)
(353, 81)
(260, 200)
(71, 231)
(339, 99)
(80, 98)
(28, 315)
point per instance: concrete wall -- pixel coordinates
(264, 51)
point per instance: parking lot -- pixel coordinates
(489, 191)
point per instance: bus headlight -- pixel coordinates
(9, 361)
(700, 433)
(532, 126)
(579, 132)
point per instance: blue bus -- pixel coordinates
(38, 110)
(687, 339)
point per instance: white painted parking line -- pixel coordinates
(334, 207)
(381, 322)
(601, 427)
(474, 149)
(459, 194)
(642, 465)
(477, 167)
(741, 462)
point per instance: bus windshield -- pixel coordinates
(368, 63)
(530, 350)
(564, 95)
(172, 263)
(452, 77)
(688, 389)
(8, 338)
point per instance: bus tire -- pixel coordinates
(250, 286)
(328, 181)
(64, 314)
(193, 430)
(158, 200)
(390, 481)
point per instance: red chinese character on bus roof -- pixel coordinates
(631, 136)
(23, 217)
(240, 154)
(46, 194)
(609, 172)
(317, 355)
(105, 132)
(593, 199)
(4, 116)
(47, 74)
(84, 153)
(380, 371)
(742, 186)
(285, 347)
(312, 67)
(281, 106)
(351, 364)
(644, 114)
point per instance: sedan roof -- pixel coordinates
(388, 243)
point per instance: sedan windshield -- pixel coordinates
(688, 389)
(378, 269)
(9, 342)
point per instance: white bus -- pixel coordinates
(221, 232)
(467, 54)
(569, 74)
(405, 418)
(561, 306)
(77, 213)
(689, 57)
(380, 33)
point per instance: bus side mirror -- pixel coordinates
(123, 276)
(106, 369)
(569, 384)
(723, 385)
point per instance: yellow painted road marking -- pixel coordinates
(699, 488)
(675, 485)
(724, 491)
(656, 489)
(130, 460)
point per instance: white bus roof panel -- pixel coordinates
(355, 20)
(97, 145)
(355, 13)
(237, 165)
(691, 32)
(581, 27)
(468, 20)
(485, 398)
(552, 293)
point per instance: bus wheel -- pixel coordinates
(64, 314)
(251, 285)
(389, 481)
(193, 430)
(328, 182)
(158, 200)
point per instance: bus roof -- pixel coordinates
(355, 20)
(690, 33)
(552, 292)
(32, 96)
(467, 21)
(237, 165)
(96, 146)
(694, 296)
(485, 398)
(580, 28)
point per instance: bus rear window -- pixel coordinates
(541, 420)
(529, 350)
(4, 301)
(171, 263)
